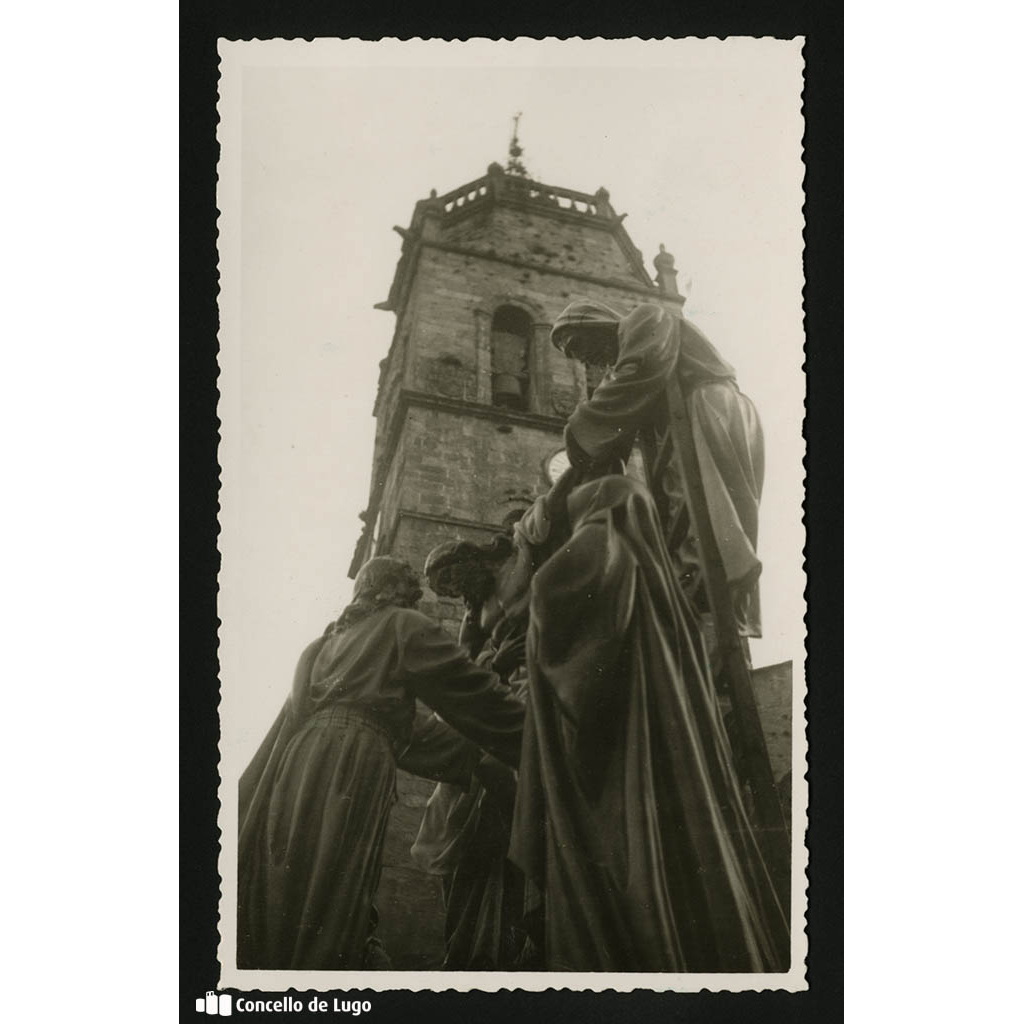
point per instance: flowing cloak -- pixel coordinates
(628, 815)
(464, 835)
(652, 345)
(314, 803)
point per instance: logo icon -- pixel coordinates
(214, 1004)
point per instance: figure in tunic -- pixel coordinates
(629, 817)
(641, 351)
(314, 802)
(464, 835)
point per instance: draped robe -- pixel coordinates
(629, 817)
(314, 802)
(653, 345)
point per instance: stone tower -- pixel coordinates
(473, 397)
(471, 403)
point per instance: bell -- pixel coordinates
(508, 391)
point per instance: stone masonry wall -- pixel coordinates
(470, 468)
(530, 235)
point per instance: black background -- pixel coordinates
(202, 23)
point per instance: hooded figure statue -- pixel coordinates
(642, 351)
(315, 800)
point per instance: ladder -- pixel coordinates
(668, 444)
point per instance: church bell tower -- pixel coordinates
(473, 397)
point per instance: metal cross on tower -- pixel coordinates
(515, 165)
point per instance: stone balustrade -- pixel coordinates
(464, 195)
(497, 184)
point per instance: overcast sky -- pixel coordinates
(327, 145)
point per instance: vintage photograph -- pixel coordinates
(511, 593)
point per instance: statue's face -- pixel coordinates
(410, 590)
(592, 346)
(476, 581)
(442, 582)
(473, 581)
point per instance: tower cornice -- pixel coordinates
(407, 266)
(432, 215)
(646, 291)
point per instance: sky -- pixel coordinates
(326, 145)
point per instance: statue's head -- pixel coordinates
(462, 568)
(387, 581)
(588, 332)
